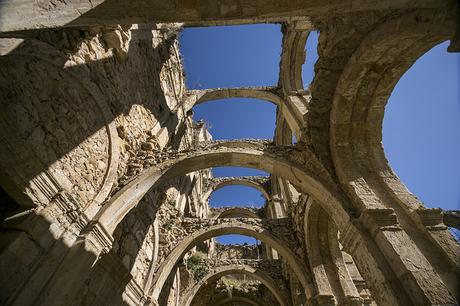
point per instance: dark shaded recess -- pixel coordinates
(8, 206)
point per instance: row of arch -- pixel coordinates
(254, 156)
(255, 273)
(291, 64)
(259, 183)
(262, 185)
(354, 138)
(375, 203)
(423, 36)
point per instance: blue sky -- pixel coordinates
(421, 132)
(421, 126)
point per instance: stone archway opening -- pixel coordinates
(425, 156)
(245, 270)
(236, 246)
(356, 133)
(255, 188)
(235, 239)
(241, 227)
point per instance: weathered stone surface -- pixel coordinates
(110, 176)
(236, 212)
(236, 251)
(452, 218)
(267, 272)
(234, 289)
(21, 14)
(260, 183)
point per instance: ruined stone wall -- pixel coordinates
(280, 228)
(229, 286)
(295, 210)
(211, 291)
(79, 108)
(136, 239)
(297, 291)
(234, 251)
(236, 211)
(140, 239)
(107, 283)
(61, 91)
(87, 111)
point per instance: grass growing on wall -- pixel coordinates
(195, 267)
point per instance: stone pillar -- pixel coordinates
(388, 250)
(35, 247)
(76, 266)
(32, 251)
(412, 268)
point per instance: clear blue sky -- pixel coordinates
(421, 133)
(422, 122)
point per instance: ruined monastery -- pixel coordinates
(105, 178)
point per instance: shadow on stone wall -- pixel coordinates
(34, 261)
(31, 260)
(52, 113)
(56, 112)
(235, 288)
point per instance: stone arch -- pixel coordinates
(240, 299)
(43, 180)
(217, 273)
(156, 245)
(241, 180)
(293, 56)
(313, 180)
(330, 274)
(300, 167)
(268, 94)
(237, 212)
(357, 153)
(233, 227)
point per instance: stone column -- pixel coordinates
(37, 244)
(409, 277)
(76, 266)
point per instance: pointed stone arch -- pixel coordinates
(237, 212)
(259, 275)
(241, 299)
(291, 112)
(259, 183)
(232, 226)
